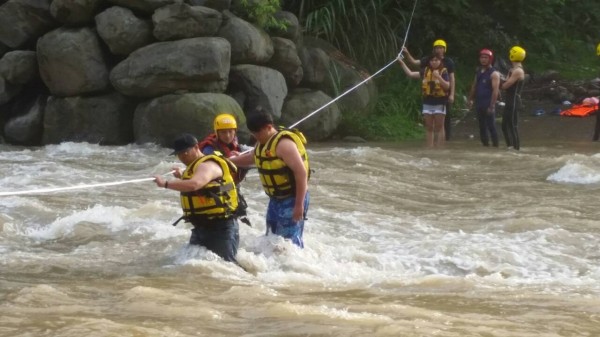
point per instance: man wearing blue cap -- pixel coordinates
(208, 197)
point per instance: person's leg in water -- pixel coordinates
(429, 134)
(438, 129)
(280, 222)
(221, 237)
(514, 128)
(447, 122)
(490, 119)
(506, 122)
(481, 118)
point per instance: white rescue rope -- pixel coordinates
(60, 189)
(365, 80)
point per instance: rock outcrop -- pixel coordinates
(114, 72)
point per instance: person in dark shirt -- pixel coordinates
(484, 94)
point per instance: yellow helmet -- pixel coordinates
(440, 43)
(598, 49)
(224, 121)
(516, 54)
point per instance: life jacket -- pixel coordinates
(276, 177)
(432, 87)
(483, 87)
(213, 141)
(216, 200)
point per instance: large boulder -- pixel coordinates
(292, 31)
(26, 126)
(144, 6)
(181, 21)
(329, 70)
(302, 102)
(19, 66)
(219, 5)
(104, 120)
(8, 90)
(249, 44)
(286, 61)
(122, 31)
(197, 65)
(74, 12)
(71, 62)
(22, 21)
(161, 119)
(261, 86)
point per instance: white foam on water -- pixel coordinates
(576, 173)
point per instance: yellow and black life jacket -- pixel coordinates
(216, 200)
(432, 87)
(276, 177)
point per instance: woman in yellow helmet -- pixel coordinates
(225, 140)
(435, 84)
(513, 86)
(439, 48)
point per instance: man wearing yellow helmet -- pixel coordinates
(439, 49)
(513, 86)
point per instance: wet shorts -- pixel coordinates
(279, 219)
(220, 237)
(429, 109)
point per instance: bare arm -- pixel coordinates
(443, 83)
(244, 160)
(288, 152)
(205, 172)
(452, 85)
(472, 92)
(515, 75)
(495, 89)
(410, 58)
(408, 72)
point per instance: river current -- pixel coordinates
(400, 241)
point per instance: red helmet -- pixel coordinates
(488, 53)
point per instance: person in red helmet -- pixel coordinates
(483, 96)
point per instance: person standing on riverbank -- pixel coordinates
(484, 94)
(439, 48)
(513, 86)
(208, 197)
(435, 84)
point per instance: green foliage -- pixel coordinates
(364, 30)
(557, 35)
(262, 13)
(397, 113)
